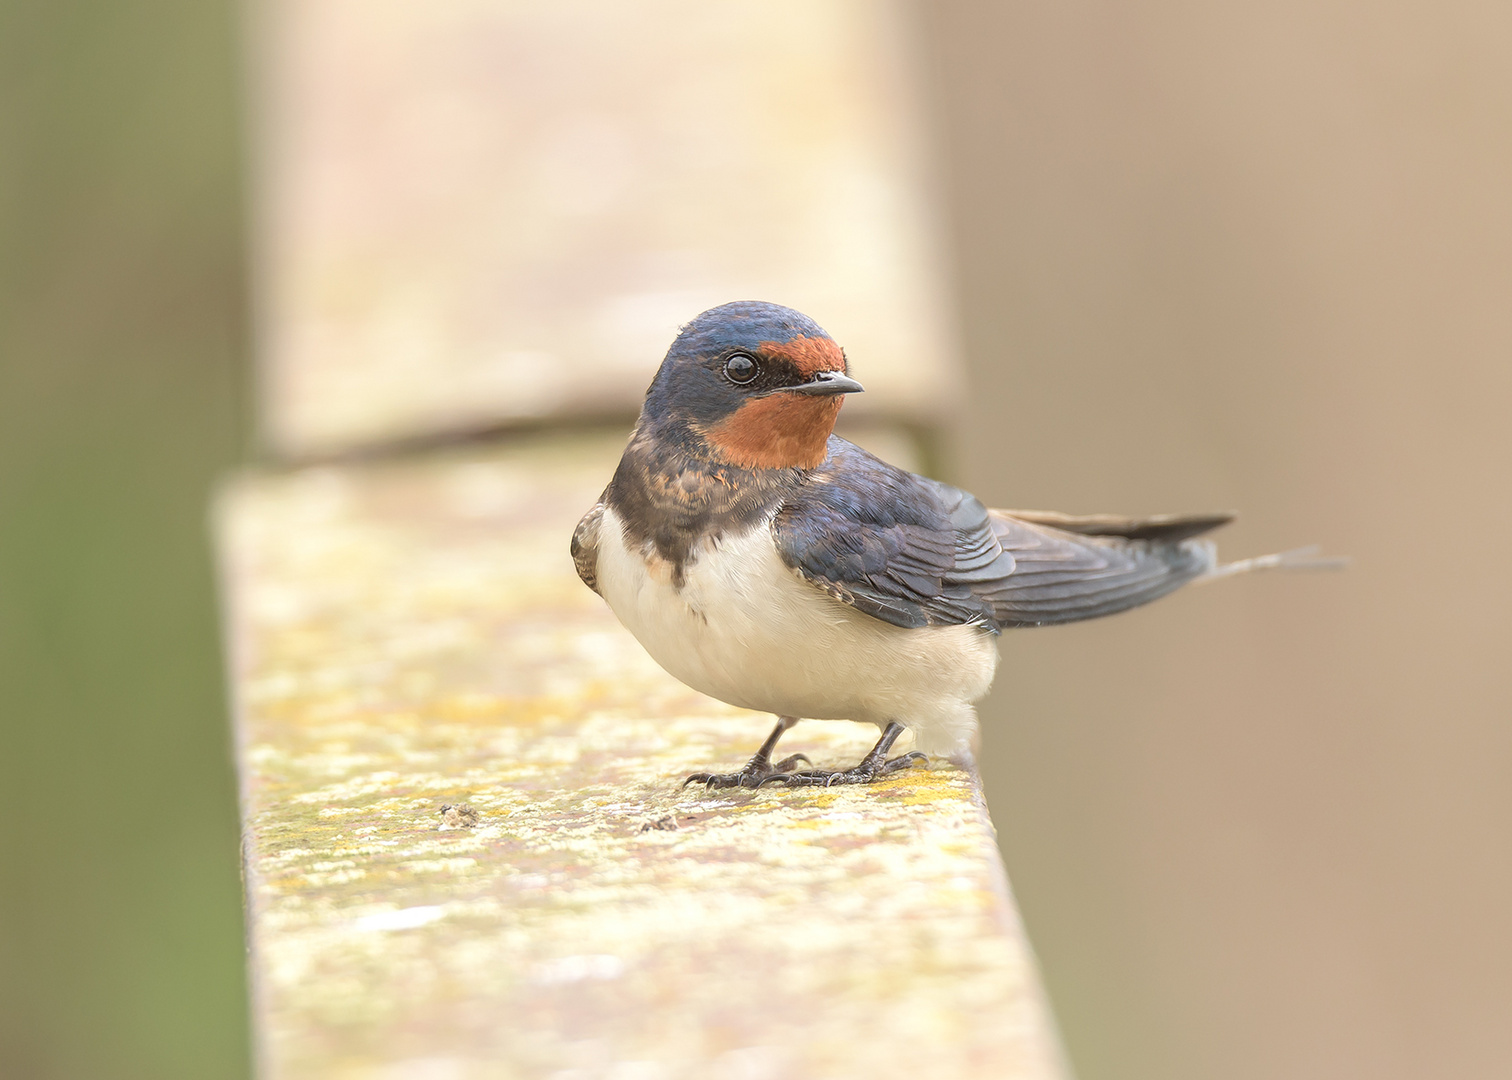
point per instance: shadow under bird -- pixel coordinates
(765, 561)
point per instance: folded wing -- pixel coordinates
(1062, 575)
(915, 552)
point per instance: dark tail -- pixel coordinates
(1069, 568)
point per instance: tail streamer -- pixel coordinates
(1303, 558)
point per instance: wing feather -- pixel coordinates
(915, 552)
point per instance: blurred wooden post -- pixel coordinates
(476, 214)
(483, 216)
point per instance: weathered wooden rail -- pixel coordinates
(408, 636)
(468, 851)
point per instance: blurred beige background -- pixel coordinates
(482, 213)
(1254, 257)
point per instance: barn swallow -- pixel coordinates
(767, 562)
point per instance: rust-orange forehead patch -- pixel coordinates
(810, 355)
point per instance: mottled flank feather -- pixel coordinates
(585, 545)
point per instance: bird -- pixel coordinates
(767, 562)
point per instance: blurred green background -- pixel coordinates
(122, 355)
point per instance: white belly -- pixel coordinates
(746, 629)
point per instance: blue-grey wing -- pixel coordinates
(915, 552)
(1062, 576)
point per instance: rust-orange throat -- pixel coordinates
(785, 430)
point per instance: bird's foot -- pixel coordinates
(757, 771)
(863, 773)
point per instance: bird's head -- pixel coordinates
(750, 384)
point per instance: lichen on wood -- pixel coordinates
(407, 637)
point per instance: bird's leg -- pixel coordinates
(872, 766)
(760, 766)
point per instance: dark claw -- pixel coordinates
(758, 768)
(744, 778)
(752, 776)
(906, 761)
(863, 773)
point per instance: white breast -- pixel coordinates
(746, 629)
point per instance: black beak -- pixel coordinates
(828, 382)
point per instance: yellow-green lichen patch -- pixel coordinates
(408, 637)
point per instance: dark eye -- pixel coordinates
(740, 368)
